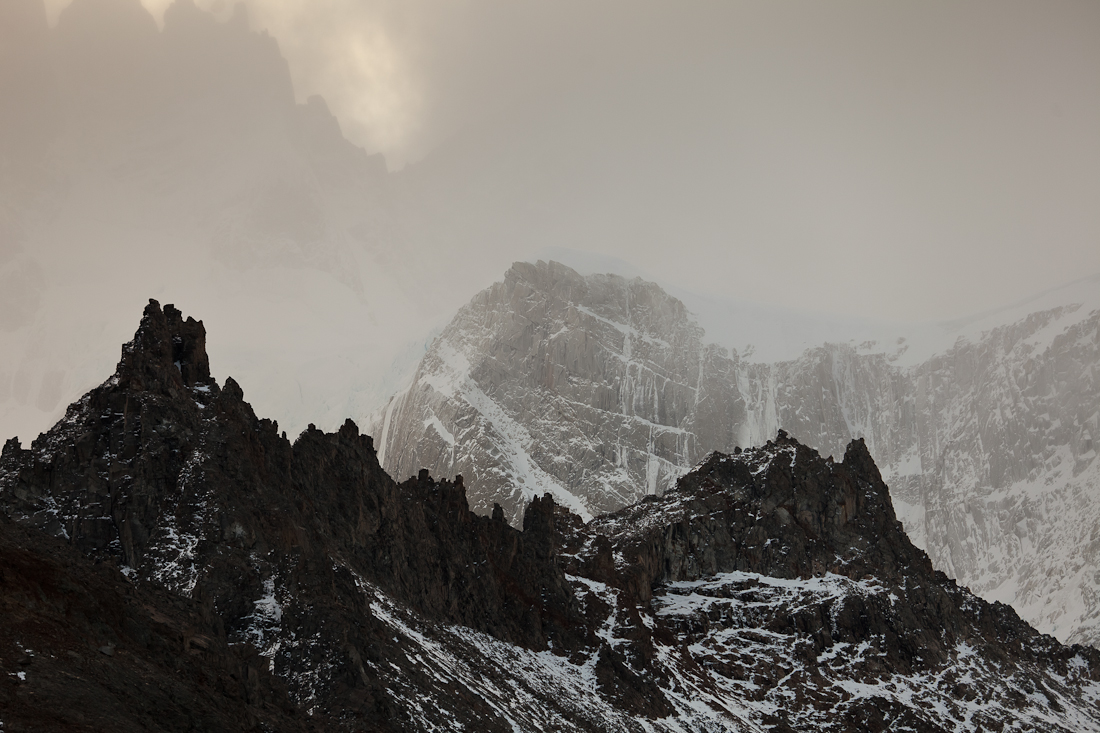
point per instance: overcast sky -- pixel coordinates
(919, 160)
(890, 161)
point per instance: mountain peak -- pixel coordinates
(604, 390)
(615, 360)
(780, 510)
(166, 351)
(828, 516)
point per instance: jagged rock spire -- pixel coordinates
(166, 351)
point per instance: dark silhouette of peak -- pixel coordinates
(237, 75)
(184, 16)
(107, 81)
(109, 59)
(106, 33)
(166, 351)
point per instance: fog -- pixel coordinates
(324, 183)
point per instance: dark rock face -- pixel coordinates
(798, 519)
(81, 648)
(166, 540)
(174, 479)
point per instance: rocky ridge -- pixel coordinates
(601, 390)
(174, 479)
(793, 587)
(173, 540)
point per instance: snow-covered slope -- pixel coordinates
(600, 389)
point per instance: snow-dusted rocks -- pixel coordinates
(601, 390)
(770, 589)
(777, 587)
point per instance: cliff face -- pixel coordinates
(84, 648)
(171, 557)
(549, 382)
(601, 390)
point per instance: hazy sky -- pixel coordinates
(903, 161)
(947, 148)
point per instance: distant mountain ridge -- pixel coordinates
(600, 389)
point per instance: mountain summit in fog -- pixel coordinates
(602, 390)
(738, 150)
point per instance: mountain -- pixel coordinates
(601, 390)
(172, 562)
(549, 382)
(173, 480)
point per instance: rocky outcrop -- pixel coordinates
(790, 580)
(601, 390)
(586, 388)
(780, 511)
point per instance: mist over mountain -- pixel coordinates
(168, 153)
(176, 160)
(601, 390)
(797, 181)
